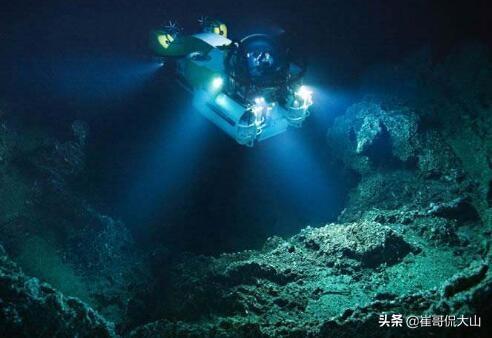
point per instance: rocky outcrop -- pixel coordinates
(49, 228)
(367, 137)
(329, 281)
(414, 238)
(31, 308)
(359, 245)
(363, 320)
(427, 145)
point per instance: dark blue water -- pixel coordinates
(153, 161)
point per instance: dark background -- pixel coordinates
(176, 179)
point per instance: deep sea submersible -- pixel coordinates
(251, 89)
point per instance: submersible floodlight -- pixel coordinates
(217, 83)
(305, 95)
(251, 89)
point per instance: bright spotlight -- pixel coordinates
(260, 110)
(221, 100)
(217, 83)
(305, 95)
(260, 100)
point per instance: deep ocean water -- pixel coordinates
(125, 213)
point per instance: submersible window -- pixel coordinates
(165, 40)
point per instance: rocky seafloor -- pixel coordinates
(414, 238)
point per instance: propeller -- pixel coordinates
(173, 28)
(203, 20)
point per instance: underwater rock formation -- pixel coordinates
(329, 281)
(30, 308)
(367, 137)
(414, 238)
(430, 146)
(49, 229)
